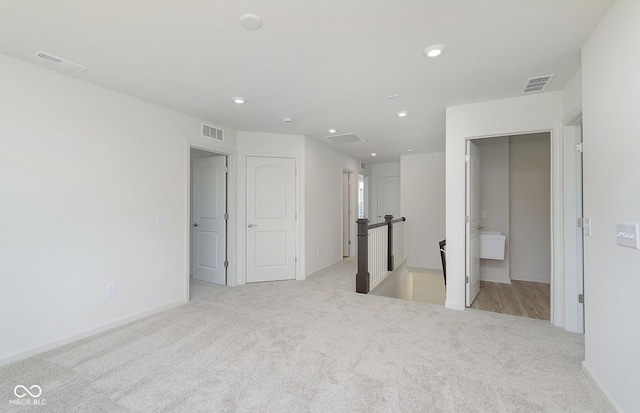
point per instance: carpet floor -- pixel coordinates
(312, 346)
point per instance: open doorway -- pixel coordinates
(208, 223)
(509, 232)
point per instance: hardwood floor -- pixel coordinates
(523, 298)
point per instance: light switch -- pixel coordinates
(160, 218)
(627, 235)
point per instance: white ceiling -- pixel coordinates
(327, 64)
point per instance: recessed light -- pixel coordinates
(374, 154)
(402, 113)
(392, 96)
(409, 150)
(251, 21)
(435, 50)
(333, 130)
(239, 100)
(287, 120)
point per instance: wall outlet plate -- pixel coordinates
(627, 235)
(110, 290)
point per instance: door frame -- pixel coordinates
(558, 299)
(231, 208)
(226, 211)
(551, 205)
(353, 206)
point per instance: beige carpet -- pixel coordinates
(312, 346)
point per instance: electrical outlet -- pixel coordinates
(110, 290)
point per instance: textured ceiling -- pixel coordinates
(327, 64)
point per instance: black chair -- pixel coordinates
(443, 251)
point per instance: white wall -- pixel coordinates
(502, 117)
(324, 166)
(572, 97)
(275, 145)
(83, 172)
(494, 201)
(422, 202)
(529, 207)
(611, 86)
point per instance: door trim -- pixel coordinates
(231, 208)
(557, 304)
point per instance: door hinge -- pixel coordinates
(226, 169)
(581, 298)
(349, 242)
(296, 215)
(296, 260)
(467, 158)
(580, 147)
(580, 222)
(466, 218)
(226, 217)
(296, 171)
(466, 279)
(226, 263)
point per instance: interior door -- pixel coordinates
(271, 219)
(346, 214)
(580, 230)
(208, 204)
(388, 197)
(472, 223)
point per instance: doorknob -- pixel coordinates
(479, 227)
(252, 225)
(195, 225)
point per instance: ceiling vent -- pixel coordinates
(60, 61)
(537, 84)
(209, 131)
(346, 138)
(363, 165)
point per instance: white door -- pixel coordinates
(388, 197)
(271, 219)
(473, 223)
(580, 231)
(208, 204)
(346, 214)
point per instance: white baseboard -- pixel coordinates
(597, 384)
(12, 358)
(495, 279)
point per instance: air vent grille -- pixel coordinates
(209, 131)
(363, 165)
(60, 61)
(346, 138)
(537, 84)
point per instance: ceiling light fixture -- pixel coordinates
(409, 150)
(393, 96)
(435, 50)
(333, 130)
(287, 120)
(402, 113)
(373, 154)
(251, 21)
(239, 100)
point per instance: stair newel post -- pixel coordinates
(362, 276)
(389, 220)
